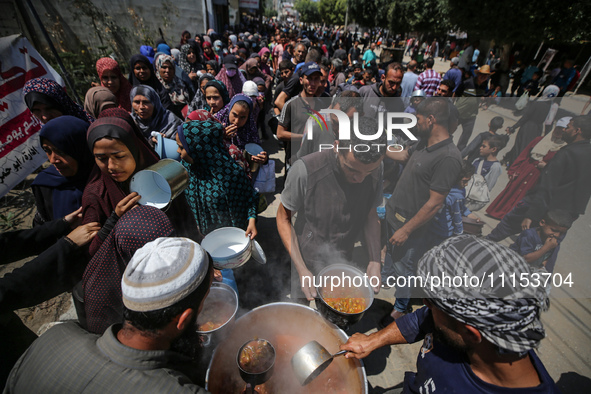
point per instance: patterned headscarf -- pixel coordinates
(162, 120)
(219, 193)
(234, 84)
(184, 62)
(247, 133)
(102, 277)
(178, 92)
(199, 101)
(108, 64)
(49, 92)
(507, 316)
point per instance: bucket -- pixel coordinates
(160, 183)
(166, 148)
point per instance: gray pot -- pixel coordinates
(160, 183)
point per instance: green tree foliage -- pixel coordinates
(508, 20)
(502, 20)
(308, 11)
(332, 12)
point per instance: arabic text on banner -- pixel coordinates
(20, 150)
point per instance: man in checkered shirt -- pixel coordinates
(429, 79)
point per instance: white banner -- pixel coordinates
(20, 150)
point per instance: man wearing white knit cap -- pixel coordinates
(163, 289)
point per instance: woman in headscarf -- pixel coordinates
(531, 124)
(142, 73)
(264, 66)
(208, 53)
(149, 114)
(120, 150)
(219, 193)
(238, 120)
(230, 76)
(58, 189)
(212, 67)
(199, 101)
(185, 38)
(163, 48)
(525, 171)
(111, 78)
(98, 99)
(101, 281)
(180, 95)
(47, 100)
(251, 70)
(190, 60)
(219, 50)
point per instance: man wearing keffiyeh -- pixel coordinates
(476, 339)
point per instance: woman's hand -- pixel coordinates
(262, 158)
(193, 75)
(75, 218)
(83, 234)
(230, 131)
(541, 164)
(251, 230)
(217, 275)
(127, 203)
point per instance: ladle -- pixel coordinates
(309, 362)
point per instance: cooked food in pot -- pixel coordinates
(346, 305)
(257, 356)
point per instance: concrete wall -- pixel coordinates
(118, 26)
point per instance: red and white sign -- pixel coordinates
(20, 150)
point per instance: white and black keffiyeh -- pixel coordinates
(506, 315)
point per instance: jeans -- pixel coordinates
(403, 263)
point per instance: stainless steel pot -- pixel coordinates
(289, 327)
(251, 150)
(160, 183)
(221, 303)
(356, 288)
(230, 248)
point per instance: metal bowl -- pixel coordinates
(222, 299)
(289, 327)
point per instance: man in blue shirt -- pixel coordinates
(476, 338)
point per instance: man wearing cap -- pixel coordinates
(429, 79)
(476, 339)
(153, 351)
(454, 73)
(295, 112)
(467, 104)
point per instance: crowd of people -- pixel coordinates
(214, 94)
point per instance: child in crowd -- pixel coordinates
(472, 152)
(491, 168)
(538, 244)
(448, 221)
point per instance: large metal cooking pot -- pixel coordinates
(220, 306)
(351, 284)
(288, 327)
(229, 248)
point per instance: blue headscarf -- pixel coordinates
(68, 134)
(164, 48)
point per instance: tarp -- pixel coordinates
(20, 150)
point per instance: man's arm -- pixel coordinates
(372, 242)
(281, 100)
(290, 242)
(361, 345)
(426, 213)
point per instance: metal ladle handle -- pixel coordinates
(340, 353)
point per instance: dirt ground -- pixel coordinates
(17, 210)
